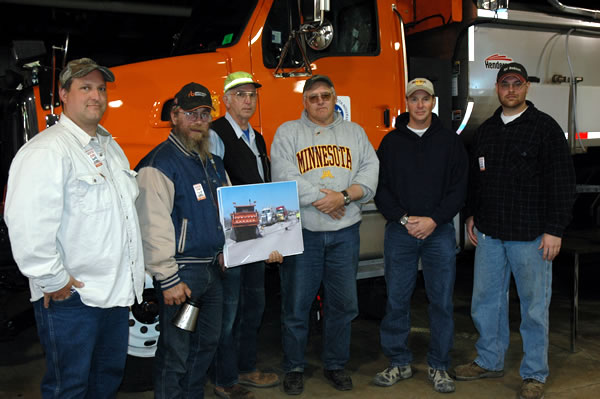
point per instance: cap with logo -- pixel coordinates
(239, 78)
(81, 67)
(419, 84)
(310, 82)
(512, 69)
(192, 96)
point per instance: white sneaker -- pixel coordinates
(441, 380)
(392, 375)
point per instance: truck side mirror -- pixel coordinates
(24, 52)
(320, 38)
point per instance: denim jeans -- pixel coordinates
(438, 258)
(182, 358)
(86, 348)
(243, 307)
(330, 257)
(495, 260)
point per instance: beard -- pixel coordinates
(194, 142)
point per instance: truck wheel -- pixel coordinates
(144, 329)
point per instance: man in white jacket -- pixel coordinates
(74, 232)
(336, 169)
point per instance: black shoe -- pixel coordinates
(339, 379)
(293, 383)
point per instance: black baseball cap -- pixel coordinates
(192, 96)
(310, 82)
(513, 69)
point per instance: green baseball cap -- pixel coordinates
(239, 78)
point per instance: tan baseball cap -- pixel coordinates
(419, 84)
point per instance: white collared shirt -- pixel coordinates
(70, 211)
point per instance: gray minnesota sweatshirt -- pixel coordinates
(334, 157)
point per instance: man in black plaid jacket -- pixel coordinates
(521, 192)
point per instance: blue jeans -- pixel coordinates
(330, 257)
(243, 307)
(494, 261)
(86, 348)
(182, 358)
(438, 258)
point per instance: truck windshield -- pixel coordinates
(213, 25)
(240, 209)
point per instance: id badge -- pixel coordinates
(199, 190)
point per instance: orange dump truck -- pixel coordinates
(244, 222)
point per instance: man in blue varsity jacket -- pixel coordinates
(183, 240)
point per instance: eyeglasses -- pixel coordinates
(242, 95)
(516, 85)
(314, 98)
(194, 116)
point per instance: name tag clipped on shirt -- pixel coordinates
(94, 157)
(481, 164)
(199, 190)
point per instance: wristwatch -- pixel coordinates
(404, 219)
(347, 199)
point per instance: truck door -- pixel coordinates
(364, 60)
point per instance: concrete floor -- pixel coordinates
(572, 375)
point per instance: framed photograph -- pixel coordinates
(258, 219)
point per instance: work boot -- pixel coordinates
(472, 371)
(258, 379)
(339, 379)
(392, 375)
(235, 391)
(531, 389)
(293, 383)
(441, 380)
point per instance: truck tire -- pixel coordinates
(144, 329)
